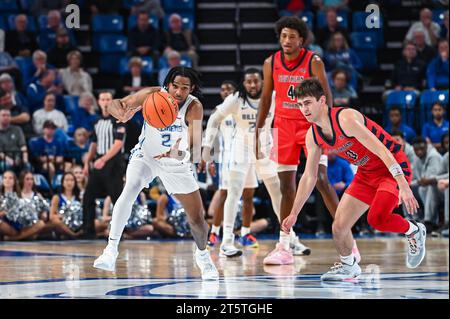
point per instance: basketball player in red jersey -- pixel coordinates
(380, 184)
(283, 71)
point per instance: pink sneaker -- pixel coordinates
(356, 253)
(279, 256)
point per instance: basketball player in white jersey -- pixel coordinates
(163, 153)
(243, 105)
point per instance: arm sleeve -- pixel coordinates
(119, 132)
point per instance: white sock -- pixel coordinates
(284, 240)
(245, 231)
(292, 236)
(412, 228)
(348, 260)
(235, 188)
(215, 230)
(113, 243)
(228, 236)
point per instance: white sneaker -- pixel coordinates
(107, 260)
(342, 271)
(229, 250)
(298, 249)
(416, 246)
(206, 265)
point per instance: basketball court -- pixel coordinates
(166, 269)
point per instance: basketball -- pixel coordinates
(160, 109)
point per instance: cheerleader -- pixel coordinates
(68, 196)
(12, 224)
(28, 191)
(82, 179)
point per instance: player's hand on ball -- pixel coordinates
(288, 222)
(408, 199)
(135, 100)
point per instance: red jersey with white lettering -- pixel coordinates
(353, 151)
(286, 76)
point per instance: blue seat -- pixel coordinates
(41, 183)
(31, 26)
(187, 19)
(107, 23)
(132, 21)
(342, 18)
(32, 146)
(364, 40)
(406, 101)
(438, 15)
(112, 43)
(42, 22)
(9, 6)
(56, 182)
(173, 5)
(427, 99)
(3, 24)
(24, 64)
(26, 5)
(70, 103)
(308, 17)
(185, 61)
(147, 65)
(110, 62)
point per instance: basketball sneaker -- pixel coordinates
(356, 252)
(206, 265)
(298, 249)
(279, 256)
(341, 271)
(416, 245)
(213, 239)
(229, 250)
(107, 260)
(249, 241)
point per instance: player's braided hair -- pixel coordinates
(241, 89)
(186, 72)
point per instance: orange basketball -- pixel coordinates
(160, 109)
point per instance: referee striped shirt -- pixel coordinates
(106, 131)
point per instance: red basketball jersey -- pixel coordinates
(352, 150)
(286, 79)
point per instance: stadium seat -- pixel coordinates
(342, 17)
(42, 22)
(56, 182)
(174, 5)
(438, 15)
(31, 26)
(427, 99)
(107, 23)
(187, 19)
(365, 45)
(132, 21)
(308, 17)
(24, 64)
(406, 101)
(110, 63)
(185, 61)
(147, 65)
(112, 43)
(71, 104)
(9, 6)
(41, 183)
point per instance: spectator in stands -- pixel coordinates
(49, 113)
(20, 42)
(77, 148)
(444, 27)
(104, 6)
(153, 7)
(13, 147)
(430, 29)
(57, 55)
(173, 60)
(85, 115)
(16, 102)
(46, 84)
(49, 151)
(39, 66)
(395, 123)
(183, 41)
(47, 37)
(331, 4)
(28, 190)
(437, 127)
(406, 147)
(325, 33)
(340, 55)
(340, 173)
(427, 165)
(311, 45)
(409, 72)
(144, 39)
(42, 7)
(343, 94)
(8, 65)
(425, 52)
(135, 79)
(75, 80)
(437, 71)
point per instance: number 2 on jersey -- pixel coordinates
(166, 140)
(291, 92)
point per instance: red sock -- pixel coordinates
(382, 217)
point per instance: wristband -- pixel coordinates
(396, 170)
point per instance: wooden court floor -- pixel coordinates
(166, 269)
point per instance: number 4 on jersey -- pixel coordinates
(291, 92)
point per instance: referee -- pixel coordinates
(106, 177)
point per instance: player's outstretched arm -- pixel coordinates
(352, 123)
(307, 182)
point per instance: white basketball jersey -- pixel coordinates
(154, 142)
(226, 129)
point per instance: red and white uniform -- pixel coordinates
(290, 126)
(372, 174)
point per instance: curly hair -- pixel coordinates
(292, 23)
